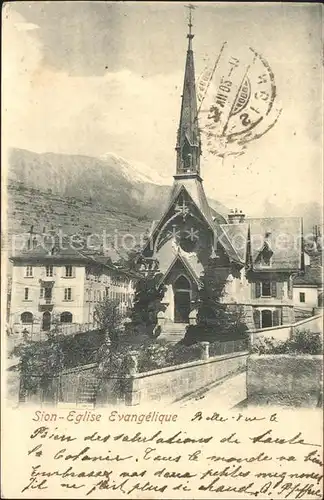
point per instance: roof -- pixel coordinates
(234, 239)
(50, 248)
(195, 190)
(190, 265)
(311, 276)
(53, 250)
(284, 235)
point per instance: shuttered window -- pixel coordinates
(273, 289)
(257, 318)
(266, 288)
(276, 317)
(290, 289)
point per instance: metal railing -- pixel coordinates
(219, 348)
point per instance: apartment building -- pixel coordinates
(62, 286)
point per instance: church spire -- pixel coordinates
(188, 140)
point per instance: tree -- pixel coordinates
(39, 361)
(109, 319)
(216, 319)
(147, 301)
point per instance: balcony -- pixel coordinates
(47, 279)
(46, 303)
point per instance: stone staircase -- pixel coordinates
(173, 332)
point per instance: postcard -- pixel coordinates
(162, 250)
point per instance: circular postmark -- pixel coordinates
(236, 96)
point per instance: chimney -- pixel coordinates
(236, 217)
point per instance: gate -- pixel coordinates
(78, 386)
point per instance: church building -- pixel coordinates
(259, 256)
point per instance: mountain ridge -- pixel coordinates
(97, 178)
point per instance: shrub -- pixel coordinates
(301, 342)
(211, 333)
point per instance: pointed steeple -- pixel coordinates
(188, 140)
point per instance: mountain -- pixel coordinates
(107, 195)
(84, 195)
(311, 212)
(109, 180)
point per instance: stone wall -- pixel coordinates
(175, 382)
(284, 332)
(282, 379)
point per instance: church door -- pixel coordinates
(182, 298)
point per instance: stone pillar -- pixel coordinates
(204, 354)
(132, 363)
(132, 390)
(160, 318)
(193, 317)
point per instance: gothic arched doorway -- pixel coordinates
(46, 322)
(182, 299)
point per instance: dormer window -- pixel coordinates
(265, 256)
(265, 260)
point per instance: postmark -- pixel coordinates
(237, 100)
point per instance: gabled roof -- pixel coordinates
(311, 276)
(234, 240)
(193, 273)
(193, 187)
(285, 238)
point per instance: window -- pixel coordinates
(29, 272)
(107, 291)
(49, 271)
(68, 271)
(265, 260)
(48, 293)
(26, 293)
(267, 318)
(266, 288)
(27, 318)
(67, 293)
(302, 297)
(66, 317)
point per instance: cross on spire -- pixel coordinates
(188, 138)
(190, 8)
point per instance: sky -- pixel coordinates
(96, 77)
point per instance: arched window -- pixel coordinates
(66, 317)
(27, 318)
(182, 283)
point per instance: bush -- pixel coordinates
(210, 333)
(301, 342)
(151, 355)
